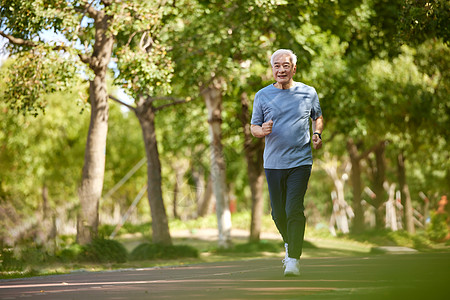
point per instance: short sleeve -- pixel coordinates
(257, 114)
(316, 111)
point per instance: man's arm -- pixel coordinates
(317, 126)
(261, 131)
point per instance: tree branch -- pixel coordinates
(87, 7)
(18, 41)
(122, 103)
(174, 100)
(21, 42)
(85, 58)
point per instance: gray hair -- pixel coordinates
(284, 51)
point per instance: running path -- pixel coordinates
(384, 277)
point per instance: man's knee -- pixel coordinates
(296, 215)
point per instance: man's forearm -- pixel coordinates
(317, 125)
(257, 131)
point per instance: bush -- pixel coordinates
(143, 229)
(420, 241)
(35, 255)
(103, 251)
(149, 251)
(105, 230)
(8, 261)
(438, 228)
(70, 254)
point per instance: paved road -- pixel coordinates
(424, 276)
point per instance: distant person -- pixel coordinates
(281, 113)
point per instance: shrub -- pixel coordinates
(103, 251)
(8, 261)
(70, 253)
(149, 251)
(34, 255)
(437, 230)
(105, 230)
(137, 228)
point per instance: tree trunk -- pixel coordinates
(406, 197)
(253, 149)
(378, 179)
(213, 98)
(45, 202)
(160, 226)
(205, 198)
(94, 162)
(94, 158)
(180, 168)
(175, 200)
(355, 179)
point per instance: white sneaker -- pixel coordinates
(291, 267)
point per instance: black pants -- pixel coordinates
(287, 188)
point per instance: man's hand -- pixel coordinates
(267, 127)
(263, 130)
(317, 141)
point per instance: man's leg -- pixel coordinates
(276, 181)
(296, 185)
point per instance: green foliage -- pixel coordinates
(8, 261)
(393, 238)
(103, 251)
(124, 149)
(34, 74)
(70, 254)
(144, 67)
(438, 228)
(26, 19)
(153, 69)
(150, 251)
(424, 19)
(42, 152)
(138, 228)
(105, 230)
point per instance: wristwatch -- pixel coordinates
(320, 136)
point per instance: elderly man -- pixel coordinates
(281, 113)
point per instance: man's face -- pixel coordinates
(283, 69)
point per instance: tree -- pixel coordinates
(90, 30)
(22, 31)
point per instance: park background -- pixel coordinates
(107, 104)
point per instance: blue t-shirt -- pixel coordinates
(289, 143)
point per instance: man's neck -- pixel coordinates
(285, 86)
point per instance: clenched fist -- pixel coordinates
(267, 127)
(317, 141)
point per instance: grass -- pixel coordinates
(198, 238)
